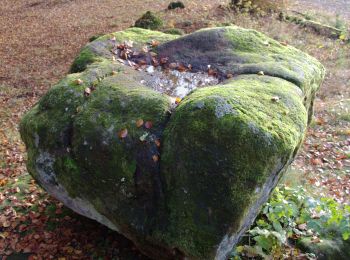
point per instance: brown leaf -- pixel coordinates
(316, 161)
(154, 43)
(78, 82)
(87, 91)
(155, 158)
(123, 133)
(148, 124)
(123, 55)
(315, 240)
(230, 75)
(164, 60)
(139, 122)
(212, 72)
(181, 68)
(173, 65)
(142, 62)
(3, 182)
(155, 62)
(302, 226)
(157, 142)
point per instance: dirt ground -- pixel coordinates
(333, 7)
(38, 41)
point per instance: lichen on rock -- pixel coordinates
(180, 179)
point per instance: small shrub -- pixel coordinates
(174, 5)
(292, 214)
(149, 20)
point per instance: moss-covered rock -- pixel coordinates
(183, 182)
(175, 5)
(149, 20)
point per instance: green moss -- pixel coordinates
(139, 36)
(84, 58)
(174, 31)
(149, 20)
(223, 143)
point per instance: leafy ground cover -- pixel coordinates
(38, 42)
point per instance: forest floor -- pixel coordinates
(38, 41)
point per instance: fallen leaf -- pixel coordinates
(155, 158)
(123, 133)
(173, 65)
(181, 68)
(177, 100)
(316, 161)
(315, 240)
(164, 60)
(275, 99)
(261, 73)
(157, 142)
(148, 124)
(78, 82)
(212, 72)
(229, 76)
(154, 43)
(139, 122)
(3, 182)
(87, 91)
(124, 55)
(302, 226)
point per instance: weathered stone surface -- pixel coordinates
(191, 180)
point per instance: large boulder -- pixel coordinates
(180, 181)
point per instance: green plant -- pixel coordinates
(293, 214)
(149, 20)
